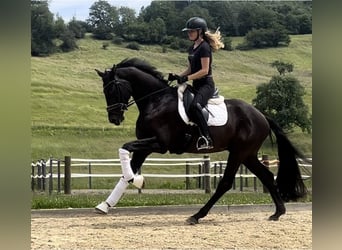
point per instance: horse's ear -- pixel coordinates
(101, 74)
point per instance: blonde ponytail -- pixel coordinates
(214, 39)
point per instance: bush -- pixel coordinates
(272, 37)
(117, 40)
(180, 44)
(105, 45)
(227, 44)
(69, 41)
(133, 46)
(243, 46)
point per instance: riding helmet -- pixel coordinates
(196, 23)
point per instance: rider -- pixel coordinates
(200, 71)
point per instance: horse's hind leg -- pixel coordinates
(224, 185)
(267, 178)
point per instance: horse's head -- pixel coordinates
(120, 81)
(117, 93)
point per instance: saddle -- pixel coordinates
(215, 112)
(188, 97)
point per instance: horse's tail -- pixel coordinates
(289, 179)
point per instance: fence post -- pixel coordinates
(221, 171)
(39, 174)
(206, 171)
(187, 172)
(44, 175)
(246, 179)
(265, 161)
(139, 173)
(58, 176)
(32, 179)
(89, 172)
(50, 178)
(199, 179)
(67, 175)
(241, 179)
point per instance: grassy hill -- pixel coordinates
(68, 108)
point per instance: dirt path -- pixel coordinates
(229, 230)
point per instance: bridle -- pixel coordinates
(120, 106)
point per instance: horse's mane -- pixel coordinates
(141, 65)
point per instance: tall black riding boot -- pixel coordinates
(204, 141)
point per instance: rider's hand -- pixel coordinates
(182, 79)
(172, 77)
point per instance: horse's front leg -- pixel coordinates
(147, 144)
(141, 149)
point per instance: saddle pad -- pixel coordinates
(218, 115)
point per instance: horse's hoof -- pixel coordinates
(277, 214)
(274, 217)
(192, 220)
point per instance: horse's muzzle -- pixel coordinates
(116, 120)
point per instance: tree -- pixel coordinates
(69, 41)
(42, 29)
(104, 20)
(77, 27)
(223, 16)
(282, 100)
(157, 30)
(59, 27)
(126, 18)
(305, 24)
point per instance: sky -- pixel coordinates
(67, 9)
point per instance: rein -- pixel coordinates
(123, 106)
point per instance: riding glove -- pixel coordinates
(182, 79)
(172, 77)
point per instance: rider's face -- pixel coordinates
(192, 34)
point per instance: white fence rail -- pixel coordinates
(43, 171)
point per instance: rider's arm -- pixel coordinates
(203, 71)
(186, 72)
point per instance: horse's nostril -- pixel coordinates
(111, 120)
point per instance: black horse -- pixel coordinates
(159, 128)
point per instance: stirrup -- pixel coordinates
(203, 143)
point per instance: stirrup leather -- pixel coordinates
(203, 143)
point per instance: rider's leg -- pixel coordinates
(198, 118)
(203, 93)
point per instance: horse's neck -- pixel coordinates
(142, 83)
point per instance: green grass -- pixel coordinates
(90, 201)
